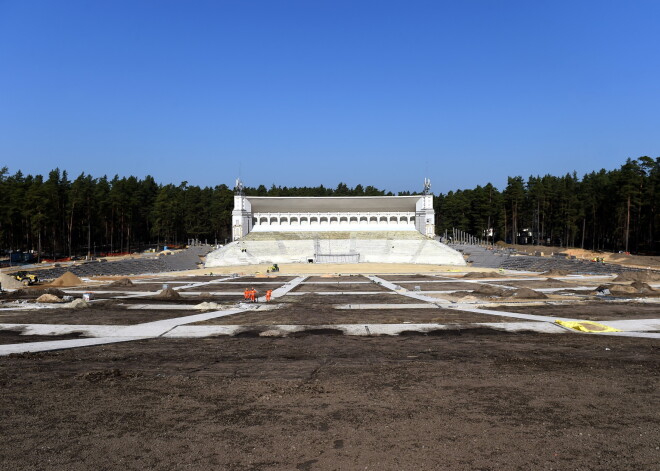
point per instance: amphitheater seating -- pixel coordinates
(187, 259)
(479, 256)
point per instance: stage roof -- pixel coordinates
(332, 204)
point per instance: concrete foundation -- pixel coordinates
(360, 247)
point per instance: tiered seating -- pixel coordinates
(187, 259)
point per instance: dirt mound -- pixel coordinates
(168, 293)
(477, 275)
(642, 287)
(49, 298)
(554, 272)
(209, 306)
(121, 283)
(525, 293)
(618, 289)
(488, 290)
(36, 292)
(555, 282)
(8, 282)
(67, 279)
(638, 276)
(77, 304)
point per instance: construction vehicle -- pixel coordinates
(274, 268)
(26, 278)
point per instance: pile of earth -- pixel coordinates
(476, 275)
(9, 282)
(120, 283)
(32, 293)
(49, 299)
(638, 276)
(555, 272)
(168, 293)
(524, 293)
(495, 292)
(209, 306)
(67, 279)
(636, 288)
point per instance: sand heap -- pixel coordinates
(9, 282)
(168, 293)
(635, 288)
(122, 282)
(67, 279)
(642, 287)
(476, 275)
(209, 306)
(77, 304)
(638, 276)
(525, 293)
(48, 298)
(488, 290)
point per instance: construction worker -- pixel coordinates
(253, 295)
(269, 293)
(246, 294)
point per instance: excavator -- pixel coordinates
(26, 278)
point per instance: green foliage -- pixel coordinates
(602, 211)
(608, 210)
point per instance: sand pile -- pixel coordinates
(67, 279)
(9, 282)
(168, 293)
(48, 298)
(554, 272)
(476, 275)
(525, 293)
(122, 282)
(209, 306)
(618, 289)
(487, 290)
(642, 287)
(36, 292)
(77, 304)
(638, 276)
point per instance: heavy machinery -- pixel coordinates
(26, 278)
(274, 268)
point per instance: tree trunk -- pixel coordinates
(628, 224)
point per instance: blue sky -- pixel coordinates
(302, 93)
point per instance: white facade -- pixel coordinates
(326, 214)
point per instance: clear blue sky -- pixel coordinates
(318, 92)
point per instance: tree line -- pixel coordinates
(604, 210)
(57, 216)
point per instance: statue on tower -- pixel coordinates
(427, 186)
(238, 189)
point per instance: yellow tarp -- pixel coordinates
(586, 326)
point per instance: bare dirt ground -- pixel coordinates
(488, 402)
(592, 310)
(339, 287)
(315, 314)
(94, 315)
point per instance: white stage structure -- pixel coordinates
(379, 229)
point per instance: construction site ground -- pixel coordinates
(382, 370)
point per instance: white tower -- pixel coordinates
(241, 216)
(424, 212)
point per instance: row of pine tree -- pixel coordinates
(58, 217)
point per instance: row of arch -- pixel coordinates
(294, 220)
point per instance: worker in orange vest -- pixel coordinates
(253, 295)
(269, 293)
(246, 294)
